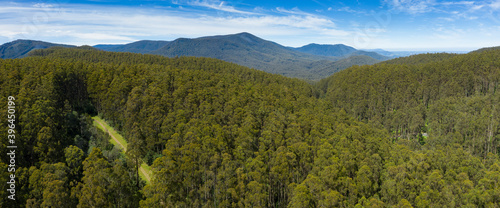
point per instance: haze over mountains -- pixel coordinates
(312, 61)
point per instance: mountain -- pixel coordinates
(248, 50)
(251, 51)
(338, 50)
(394, 54)
(243, 49)
(381, 52)
(232, 46)
(345, 63)
(421, 58)
(373, 55)
(20, 48)
(143, 46)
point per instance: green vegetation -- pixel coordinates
(338, 50)
(143, 46)
(117, 140)
(21, 48)
(111, 131)
(332, 68)
(243, 49)
(421, 58)
(216, 134)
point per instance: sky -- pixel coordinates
(431, 25)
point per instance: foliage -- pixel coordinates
(21, 48)
(451, 101)
(223, 135)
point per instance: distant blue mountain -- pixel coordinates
(143, 46)
(312, 61)
(338, 50)
(21, 48)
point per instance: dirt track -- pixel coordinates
(125, 150)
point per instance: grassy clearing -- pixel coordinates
(111, 131)
(118, 140)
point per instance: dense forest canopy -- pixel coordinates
(452, 98)
(414, 133)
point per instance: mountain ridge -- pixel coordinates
(142, 46)
(21, 47)
(242, 48)
(339, 50)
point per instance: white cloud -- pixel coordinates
(295, 11)
(346, 9)
(476, 7)
(495, 5)
(92, 36)
(218, 5)
(411, 6)
(74, 24)
(43, 5)
(466, 3)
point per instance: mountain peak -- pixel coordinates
(248, 37)
(245, 34)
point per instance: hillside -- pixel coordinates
(421, 58)
(486, 49)
(251, 51)
(218, 134)
(247, 50)
(20, 48)
(332, 68)
(373, 55)
(143, 46)
(446, 96)
(338, 50)
(198, 117)
(242, 48)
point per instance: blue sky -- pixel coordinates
(432, 25)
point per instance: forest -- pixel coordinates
(420, 131)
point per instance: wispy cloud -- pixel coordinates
(74, 24)
(411, 6)
(495, 5)
(295, 11)
(466, 3)
(218, 5)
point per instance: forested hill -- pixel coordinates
(143, 46)
(332, 68)
(421, 58)
(220, 134)
(242, 48)
(21, 48)
(251, 51)
(217, 134)
(338, 50)
(452, 98)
